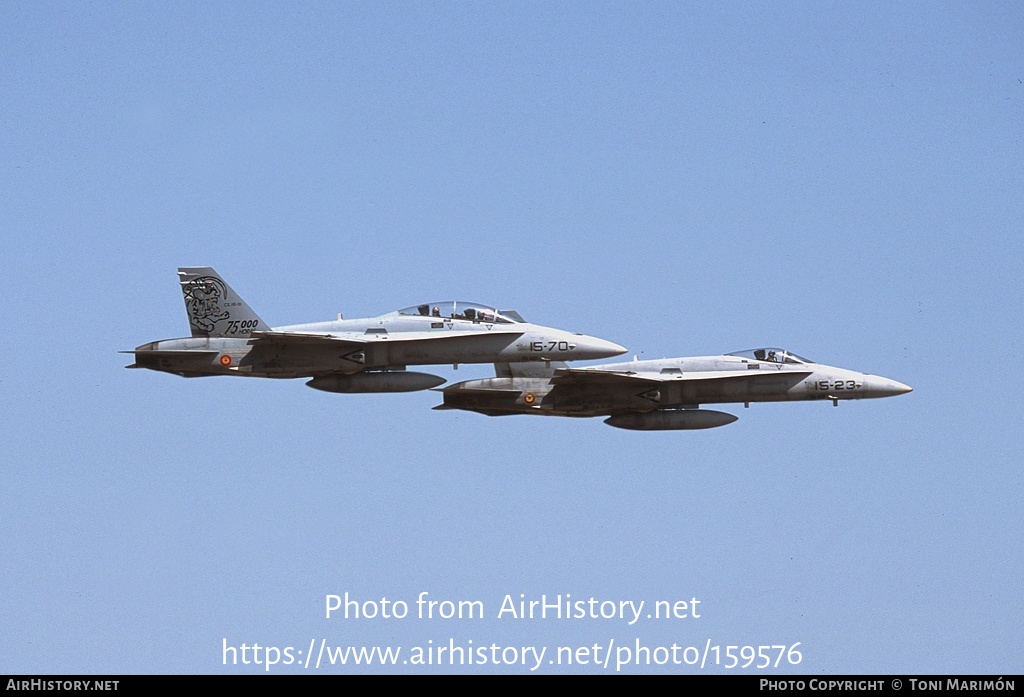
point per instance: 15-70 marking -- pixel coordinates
(548, 346)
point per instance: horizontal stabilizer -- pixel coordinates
(173, 353)
(184, 362)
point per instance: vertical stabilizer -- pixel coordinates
(213, 308)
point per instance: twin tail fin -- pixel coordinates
(213, 308)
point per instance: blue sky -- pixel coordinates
(842, 179)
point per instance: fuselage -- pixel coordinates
(790, 381)
(671, 383)
(388, 342)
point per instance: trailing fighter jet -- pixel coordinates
(666, 394)
(352, 355)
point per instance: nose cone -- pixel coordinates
(876, 386)
(589, 347)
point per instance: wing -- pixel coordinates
(580, 377)
(299, 339)
(383, 349)
(355, 340)
(605, 377)
(619, 390)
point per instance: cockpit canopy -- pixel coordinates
(771, 355)
(457, 309)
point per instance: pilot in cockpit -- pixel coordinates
(436, 312)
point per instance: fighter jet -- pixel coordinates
(353, 355)
(666, 394)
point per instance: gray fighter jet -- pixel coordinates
(354, 355)
(659, 395)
